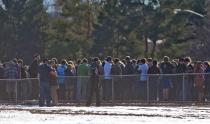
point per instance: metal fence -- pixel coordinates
(121, 88)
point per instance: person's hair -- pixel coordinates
(85, 60)
(55, 60)
(15, 60)
(116, 60)
(127, 58)
(50, 62)
(70, 66)
(71, 62)
(79, 61)
(36, 55)
(181, 59)
(95, 59)
(143, 60)
(109, 58)
(199, 62)
(134, 61)
(45, 60)
(63, 62)
(138, 61)
(154, 62)
(99, 62)
(165, 58)
(20, 61)
(123, 61)
(188, 59)
(207, 63)
(174, 62)
(149, 60)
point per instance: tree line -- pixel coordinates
(78, 28)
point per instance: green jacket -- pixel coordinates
(83, 70)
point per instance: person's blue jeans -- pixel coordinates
(44, 92)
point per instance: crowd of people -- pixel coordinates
(143, 79)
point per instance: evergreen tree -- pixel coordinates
(21, 33)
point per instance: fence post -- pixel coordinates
(147, 88)
(158, 85)
(16, 94)
(183, 87)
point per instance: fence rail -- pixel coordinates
(127, 88)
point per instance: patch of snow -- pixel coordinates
(102, 115)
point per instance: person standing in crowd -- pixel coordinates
(23, 73)
(33, 73)
(77, 84)
(154, 81)
(101, 73)
(70, 82)
(94, 82)
(207, 80)
(143, 69)
(53, 84)
(79, 62)
(166, 68)
(174, 86)
(15, 61)
(181, 84)
(82, 82)
(61, 79)
(128, 66)
(189, 79)
(45, 75)
(116, 73)
(135, 66)
(150, 62)
(116, 67)
(100, 67)
(11, 72)
(135, 80)
(122, 65)
(33, 68)
(199, 80)
(23, 86)
(128, 78)
(107, 83)
(55, 62)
